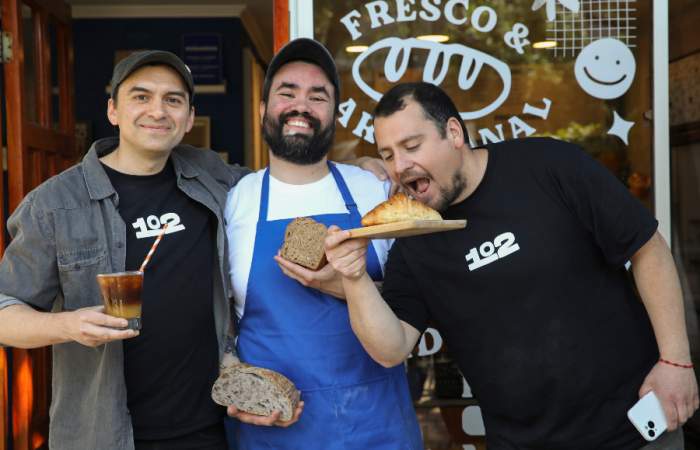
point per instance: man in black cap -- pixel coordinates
(295, 326)
(115, 388)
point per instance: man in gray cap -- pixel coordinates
(116, 388)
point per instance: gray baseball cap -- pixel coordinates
(136, 60)
(307, 50)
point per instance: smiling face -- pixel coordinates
(152, 110)
(298, 119)
(416, 155)
(605, 68)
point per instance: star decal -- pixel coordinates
(572, 5)
(620, 127)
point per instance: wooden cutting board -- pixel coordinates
(406, 228)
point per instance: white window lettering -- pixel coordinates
(466, 389)
(403, 11)
(487, 135)
(365, 128)
(431, 12)
(379, 10)
(399, 55)
(450, 13)
(472, 422)
(352, 24)
(346, 109)
(423, 349)
(490, 21)
(486, 254)
(517, 126)
(542, 113)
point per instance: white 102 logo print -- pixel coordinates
(151, 225)
(487, 252)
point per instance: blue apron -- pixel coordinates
(350, 401)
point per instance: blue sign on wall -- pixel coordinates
(202, 54)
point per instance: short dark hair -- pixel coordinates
(437, 106)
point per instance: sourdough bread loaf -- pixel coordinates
(256, 390)
(303, 243)
(398, 208)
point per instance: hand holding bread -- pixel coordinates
(326, 280)
(347, 256)
(257, 395)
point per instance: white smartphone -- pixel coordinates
(648, 417)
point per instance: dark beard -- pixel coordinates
(298, 148)
(448, 196)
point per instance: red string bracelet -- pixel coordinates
(671, 363)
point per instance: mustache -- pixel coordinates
(411, 174)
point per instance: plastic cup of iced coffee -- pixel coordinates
(121, 293)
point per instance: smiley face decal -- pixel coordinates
(605, 68)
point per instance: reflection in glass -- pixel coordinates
(685, 195)
(30, 65)
(376, 50)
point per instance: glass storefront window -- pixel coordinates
(578, 70)
(583, 76)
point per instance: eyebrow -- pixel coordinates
(287, 85)
(320, 89)
(314, 89)
(148, 91)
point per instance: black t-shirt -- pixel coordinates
(533, 298)
(171, 366)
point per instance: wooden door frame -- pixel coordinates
(36, 150)
(280, 23)
(21, 135)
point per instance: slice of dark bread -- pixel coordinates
(256, 390)
(303, 243)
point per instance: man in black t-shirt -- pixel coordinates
(533, 297)
(113, 388)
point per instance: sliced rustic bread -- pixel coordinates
(398, 208)
(303, 243)
(256, 390)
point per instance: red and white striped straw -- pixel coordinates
(153, 248)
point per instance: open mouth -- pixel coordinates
(418, 186)
(607, 83)
(296, 125)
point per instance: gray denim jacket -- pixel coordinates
(64, 233)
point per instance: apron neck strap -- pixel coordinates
(264, 196)
(344, 191)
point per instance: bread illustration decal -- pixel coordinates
(256, 390)
(399, 208)
(303, 243)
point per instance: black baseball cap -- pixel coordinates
(136, 60)
(306, 50)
